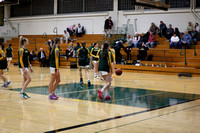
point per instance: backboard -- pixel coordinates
(157, 4)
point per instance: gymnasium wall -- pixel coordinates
(94, 22)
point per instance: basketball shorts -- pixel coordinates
(22, 70)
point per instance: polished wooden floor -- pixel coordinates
(71, 114)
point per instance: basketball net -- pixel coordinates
(139, 9)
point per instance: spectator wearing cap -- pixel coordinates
(136, 40)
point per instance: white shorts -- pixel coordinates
(22, 70)
(95, 61)
(53, 70)
(87, 66)
(9, 58)
(103, 73)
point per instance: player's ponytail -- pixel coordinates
(22, 40)
(83, 45)
(105, 49)
(57, 40)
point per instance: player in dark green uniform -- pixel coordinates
(83, 62)
(3, 65)
(9, 55)
(54, 67)
(95, 59)
(23, 65)
(105, 70)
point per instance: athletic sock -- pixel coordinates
(50, 94)
(22, 91)
(102, 89)
(107, 93)
(81, 79)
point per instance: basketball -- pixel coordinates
(118, 71)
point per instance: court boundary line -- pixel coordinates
(147, 119)
(116, 117)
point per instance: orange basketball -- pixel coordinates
(118, 71)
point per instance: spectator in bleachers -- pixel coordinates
(71, 29)
(80, 31)
(142, 52)
(136, 40)
(197, 27)
(154, 28)
(189, 27)
(151, 40)
(163, 29)
(50, 43)
(129, 46)
(177, 32)
(108, 26)
(195, 36)
(174, 41)
(66, 37)
(185, 40)
(118, 55)
(169, 32)
(145, 37)
(70, 51)
(32, 56)
(42, 57)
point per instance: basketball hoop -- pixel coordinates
(139, 9)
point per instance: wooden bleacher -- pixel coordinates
(162, 55)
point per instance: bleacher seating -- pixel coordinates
(162, 55)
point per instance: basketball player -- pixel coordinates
(9, 55)
(105, 70)
(93, 53)
(54, 68)
(83, 62)
(3, 65)
(23, 65)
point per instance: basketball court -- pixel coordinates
(140, 103)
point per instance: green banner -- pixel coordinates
(1, 15)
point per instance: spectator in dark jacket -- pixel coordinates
(108, 26)
(142, 52)
(153, 28)
(169, 32)
(195, 36)
(177, 32)
(185, 40)
(118, 55)
(163, 29)
(42, 57)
